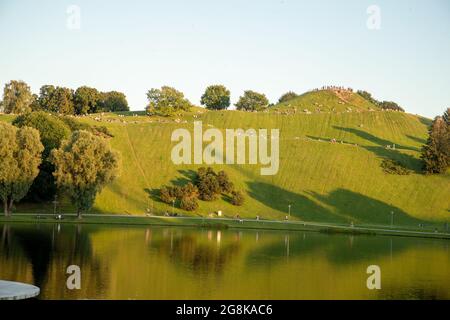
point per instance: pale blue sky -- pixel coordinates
(270, 46)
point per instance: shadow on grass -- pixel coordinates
(408, 161)
(279, 199)
(374, 139)
(416, 139)
(362, 209)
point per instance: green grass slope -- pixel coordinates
(326, 101)
(323, 181)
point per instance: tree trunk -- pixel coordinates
(5, 205)
(79, 214)
(10, 205)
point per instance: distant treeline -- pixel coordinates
(18, 98)
(385, 105)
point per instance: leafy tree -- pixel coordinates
(226, 186)
(436, 152)
(446, 117)
(252, 101)
(84, 164)
(56, 99)
(390, 105)
(87, 100)
(17, 97)
(287, 97)
(52, 131)
(216, 97)
(166, 101)
(237, 198)
(167, 194)
(114, 101)
(20, 157)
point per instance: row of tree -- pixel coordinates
(40, 155)
(18, 99)
(436, 152)
(385, 105)
(167, 100)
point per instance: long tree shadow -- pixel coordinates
(374, 139)
(416, 139)
(360, 208)
(408, 161)
(279, 199)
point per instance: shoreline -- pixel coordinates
(223, 223)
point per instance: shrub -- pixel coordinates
(167, 195)
(237, 198)
(189, 203)
(288, 96)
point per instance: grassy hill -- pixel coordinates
(323, 181)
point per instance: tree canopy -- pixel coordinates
(216, 97)
(166, 101)
(17, 97)
(84, 164)
(288, 96)
(20, 157)
(252, 101)
(114, 101)
(436, 152)
(56, 99)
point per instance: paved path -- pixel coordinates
(17, 291)
(375, 228)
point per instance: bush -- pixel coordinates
(167, 195)
(237, 198)
(189, 203)
(288, 96)
(394, 167)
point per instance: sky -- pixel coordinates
(398, 50)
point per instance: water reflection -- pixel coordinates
(184, 263)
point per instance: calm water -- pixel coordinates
(182, 263)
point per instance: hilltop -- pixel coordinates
(330, 163)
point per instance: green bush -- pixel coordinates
(237, 198)
(189, 204)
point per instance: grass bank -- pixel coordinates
(228, 223)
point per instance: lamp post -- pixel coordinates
(173, 207)
(55, 203)
(392, 219)
(289, 214)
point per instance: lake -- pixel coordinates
(143, 262)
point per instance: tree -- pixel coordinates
(436, 152)
(87, 100)
(52, 131)
(166, 101)
(115, 101)
(446, 117)
(390, 105)
(216, 97)
(252, 101)
(84, 164)
(17, 97)
(287, 97)
(20, 157)
(56, 99)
